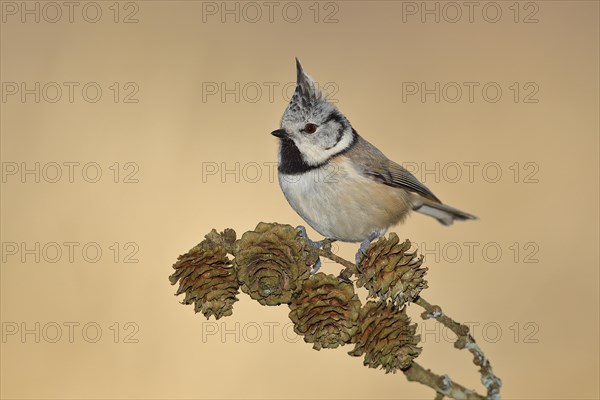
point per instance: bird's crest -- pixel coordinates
(307, 98)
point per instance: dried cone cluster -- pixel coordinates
(271, 263)
(325, 312)
(391, 271)
(207, 277)
(386, 337)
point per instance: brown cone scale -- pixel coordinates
(207, 276)
(389, 270)
(271, 263)
(325, 312)
(386, 337)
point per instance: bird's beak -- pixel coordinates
(280, 133)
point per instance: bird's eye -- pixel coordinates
(310, 128)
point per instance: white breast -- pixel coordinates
(342, 204)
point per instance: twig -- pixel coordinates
(438, 396)
(465, 341)
(443, 385)
(325, 251)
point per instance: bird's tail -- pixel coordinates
(446, 215)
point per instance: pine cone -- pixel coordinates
(390, 271)
(271, 263)
(207, 277)
(386, 337)
(325, 311)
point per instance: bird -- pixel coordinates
(344, 187)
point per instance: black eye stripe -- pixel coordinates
(335, 116)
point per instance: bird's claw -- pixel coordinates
(303, 233)
(362, 250)
(317, 265)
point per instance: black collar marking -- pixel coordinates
(292, 162)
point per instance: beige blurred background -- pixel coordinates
(180, 135)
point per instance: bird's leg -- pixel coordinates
(362, 250)
(318, 245)
(316, 267)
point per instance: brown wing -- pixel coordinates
(374, 164)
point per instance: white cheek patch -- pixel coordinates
(315, 155)
(312, 154)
